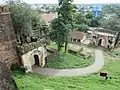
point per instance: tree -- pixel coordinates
(24, 19)
(95, 23)
(62, 25)
(112, 23)
(80, 22)
(110, 9)
(58, 35)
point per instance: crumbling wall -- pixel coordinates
(7, 38)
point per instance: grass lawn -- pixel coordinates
(91, 82)
(68, 61)
(114, 53)
(52, 45)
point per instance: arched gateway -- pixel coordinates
(33, 58)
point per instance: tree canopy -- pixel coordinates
(24, 19)
(63, 24)
(112, 23)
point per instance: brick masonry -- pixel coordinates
(7, 40)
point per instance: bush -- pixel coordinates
(16, 67)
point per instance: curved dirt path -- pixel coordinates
(95, 67)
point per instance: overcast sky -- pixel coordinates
(75, 1)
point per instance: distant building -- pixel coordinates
(104, 37)
(77, 37)
(96, 10)
(48, 17)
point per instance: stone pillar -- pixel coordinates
(7, 39)
(113, 44)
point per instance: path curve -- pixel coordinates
(95, 67)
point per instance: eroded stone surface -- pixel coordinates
(6, 80)
(7, 38)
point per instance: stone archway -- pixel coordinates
(99, 42)
(36, 58)
(102, 41)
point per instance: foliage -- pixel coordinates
(20, 14)
(88, 15)
(59, 32)
(24, 19)
(112, 23)
(109, 9)
(80, 22)
(95, 23)
(61, 26)
(91, 82)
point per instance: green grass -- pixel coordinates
(52, 45)
(68, 61)
(91, 82)
(115, 53)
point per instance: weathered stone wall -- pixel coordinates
(6, 80)
(28, 59)
(7, 38)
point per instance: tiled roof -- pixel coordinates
(77, 35)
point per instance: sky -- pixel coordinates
(75, 1)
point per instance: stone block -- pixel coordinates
(6, 38)
(1, 9)
(5, 8)
(12, 36)
(6, 18)
(1, 39)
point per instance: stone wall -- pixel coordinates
(6, 80)
(7, 38)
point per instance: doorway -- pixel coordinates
(100, 42)
(36, 58)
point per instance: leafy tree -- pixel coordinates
(88, 15)
(112, 23)
(80, 22)
(109, 9)
(62, 25)
(95, 23)
(24, 19)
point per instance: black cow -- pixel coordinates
(104, 75)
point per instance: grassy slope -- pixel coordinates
(67, 60)
(91, 82)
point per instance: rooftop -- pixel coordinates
(77, 35)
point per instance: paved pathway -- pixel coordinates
(95, 67)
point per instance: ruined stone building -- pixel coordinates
(27, 54)
(104, 37)
(77, 37)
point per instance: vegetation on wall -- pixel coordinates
(24, 19)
